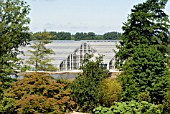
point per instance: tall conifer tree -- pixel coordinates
(142, 52)
(40, 54)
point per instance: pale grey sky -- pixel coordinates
(99, 16)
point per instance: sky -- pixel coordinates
(98, 16)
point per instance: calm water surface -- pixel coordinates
(56, 76)
(65, 75)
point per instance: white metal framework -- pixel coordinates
(97, 48)
(69, 53)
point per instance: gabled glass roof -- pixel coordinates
(63, 48)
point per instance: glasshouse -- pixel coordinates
(69, 53)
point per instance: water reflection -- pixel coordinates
(65, 75)
(55, 76)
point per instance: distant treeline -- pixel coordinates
(76, 36)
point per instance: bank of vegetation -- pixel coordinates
(143, 87)
(77, 36)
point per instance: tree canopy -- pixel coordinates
(86, 86)
(147, 24)
(142, 52)
(78, 36)
(37, 93)
(13, 33)
(112, 36)
(39, 57)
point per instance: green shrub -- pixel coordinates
(144, 96)
(110, 91)
(166, 102)
(25, 68)
(1, 90)
(86, 86)
(7, 105)
(131, 107)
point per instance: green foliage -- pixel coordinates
(1, 90)
(112, 36)
(40, 54)
(131, 107)
(93, 36)
(84, 36)
(5, 85)
(168, 55)
(13, 33)
(25, 68)
(146, 72)
(142, 53)
(63, 36)
(148, 25)
(53, 36)
(109, 92)
(42, 36)
(7, 105)
(77, 36)
(86, 86)
(144, 96)
(38, 93)
(166, 102)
